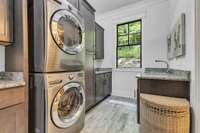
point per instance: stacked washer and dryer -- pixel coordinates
(56, 60)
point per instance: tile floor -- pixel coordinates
(114, 115)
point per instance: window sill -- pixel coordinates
(128, 69)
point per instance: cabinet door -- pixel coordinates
(12, 119)
(103, 85)
(89, 82)
(108, 84)
(89, 59)
(99, 42)
(89, 21)
(6, 21)
(100, 81)
(98, 88)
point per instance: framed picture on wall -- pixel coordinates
(176, 39)
(179, 37)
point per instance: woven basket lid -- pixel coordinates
(165, 101)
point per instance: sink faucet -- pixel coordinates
(167, 64)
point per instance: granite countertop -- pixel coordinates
(11, 79)
(103, 70)
(162, 74)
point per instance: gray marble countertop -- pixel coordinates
(162, 74)
(11, 79)
(103, 70)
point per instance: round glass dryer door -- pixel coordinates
(68, 105)
(67, 32)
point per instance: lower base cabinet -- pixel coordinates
(12, 110)
(108, 84)
(99, 91)
(12, 119)
(103, 86)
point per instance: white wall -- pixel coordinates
(188, 61)
(125, 83)
(176, 8)
(2, 58)
(155, 21)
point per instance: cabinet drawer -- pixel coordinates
(12, 96)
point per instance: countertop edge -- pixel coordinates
(157, 78)
(14, 85)
(11, 80)
(101, 72)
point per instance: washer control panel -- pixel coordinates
(62, 78)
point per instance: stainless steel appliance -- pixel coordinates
(56, 37)
(57, 103)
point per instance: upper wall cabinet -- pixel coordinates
(99, 41)
(75, 3)
(6, 22)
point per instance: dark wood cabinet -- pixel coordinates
(6, 22)
(89, 22)
(103, 86)
(99, 42)
(108, 84)
(171, 88)
(99, 87)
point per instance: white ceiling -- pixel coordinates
(103, 6)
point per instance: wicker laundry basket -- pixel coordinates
(160, 114)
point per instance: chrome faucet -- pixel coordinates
(167, 64)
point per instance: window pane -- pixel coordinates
(123, 29)
(135, 38)
(135, 27)
(129, 56)
(122, 40)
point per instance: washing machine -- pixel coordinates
(57, 37)
(57, 103)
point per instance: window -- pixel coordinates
(129, 42)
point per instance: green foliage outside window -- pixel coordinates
(129, 52)
(129, 44)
